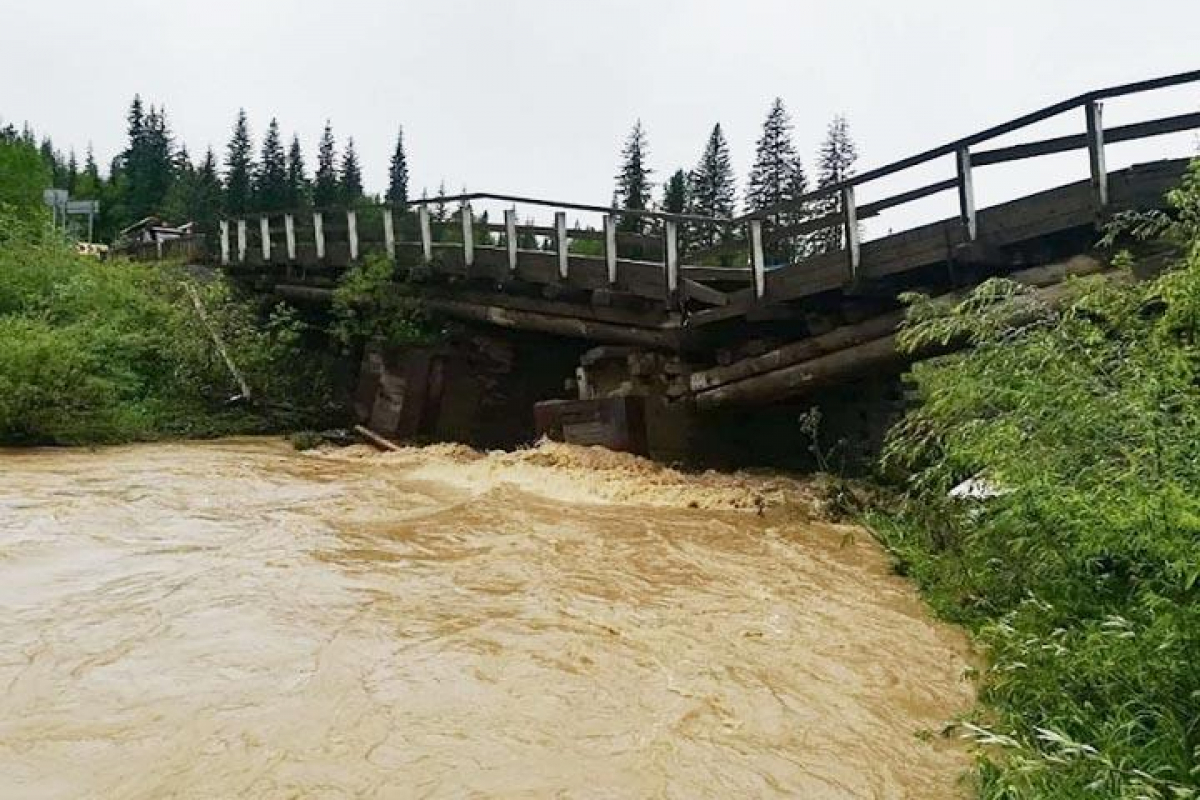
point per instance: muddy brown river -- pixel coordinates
(235, 619)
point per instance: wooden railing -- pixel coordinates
(640, 251)
(966, 158)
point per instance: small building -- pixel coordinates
(153, 230)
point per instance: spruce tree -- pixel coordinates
(298, 188)
(72, 172)
(778, 177)
(397, 193)
(675, 194)
(352, 185)
(835, 164)
(206, 198)
(146, 168)
(159, 160)
(271, 178)
(633, 179)
(87, 185)
(713, 190)
(326, 187)
(239, 168)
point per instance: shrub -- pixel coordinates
(111, 351)
(1082, 577)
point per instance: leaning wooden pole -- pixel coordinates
(213, 334)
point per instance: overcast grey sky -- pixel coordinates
(535, 96)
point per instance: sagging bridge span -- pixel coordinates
(741, 322)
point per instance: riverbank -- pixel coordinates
(96, 352)
(1074, 560)
(235, 617)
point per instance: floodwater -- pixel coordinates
(234, 619)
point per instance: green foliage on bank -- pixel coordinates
(112, 351)
(1081, 575)
(371, 305)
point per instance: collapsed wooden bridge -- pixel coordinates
(742, 321)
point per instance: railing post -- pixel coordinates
(352, 232)
(468, 232)
(319, 233)
(426, 234)
(610, 247)
(389, 233)
(560, 240)
(850, 220)
(289, 235)
(1095, 137)
(671, 235)
(264, 230)
(510, 238)
(225, 242)
(242, 242)
(966, 194)
(758, 261)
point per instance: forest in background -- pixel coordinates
(157, 175)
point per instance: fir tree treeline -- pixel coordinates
(777, 178)
(156, 175)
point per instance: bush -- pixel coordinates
(113, 351)
(1082, 577)
(369, 304)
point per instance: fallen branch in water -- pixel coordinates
(375, 439)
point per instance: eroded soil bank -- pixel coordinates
(237, 619)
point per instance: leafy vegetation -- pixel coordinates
(370, 305)
(1080, 571)
(106, 351)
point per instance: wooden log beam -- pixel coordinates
(867, 330)
(561, 326)
(805, 376)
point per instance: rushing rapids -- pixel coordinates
(237, 619)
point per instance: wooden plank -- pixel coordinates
(1063, 144)
(654, 318)
(225, 242)
(853, 249)
(264, 231)
(671, 237)
(1095, 134)
(562, 244)
(319, 234)
(242, 240)
(289, 235)
(610, 247)
(561, 326)
(874, 209)
(426, 234)
(758, 261)
(705, 294)
(389, 233)
(966, 194)
(510, 238)
(468, 234)
(717, 274)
